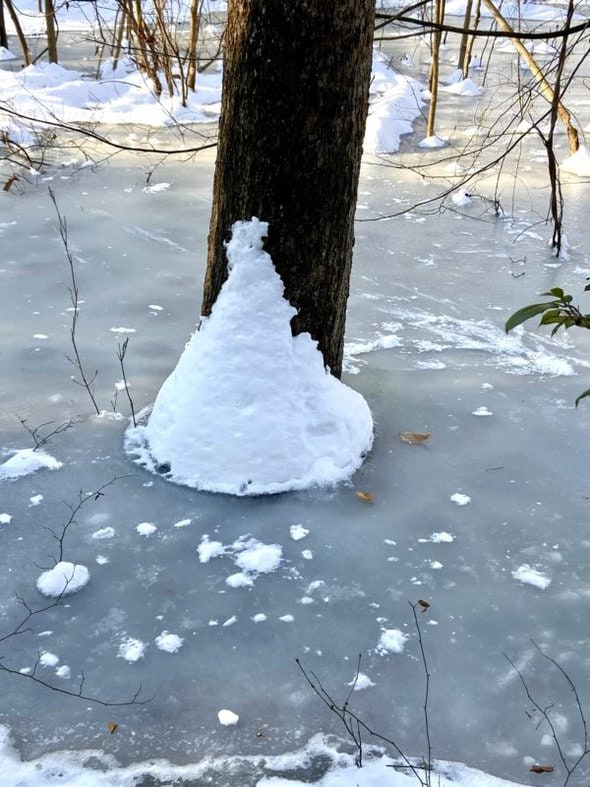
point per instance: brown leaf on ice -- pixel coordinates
(112, 726)
(415, 438)
(542, 768)
(8, 183)
(366, 496)
(423, 604)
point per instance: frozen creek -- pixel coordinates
(505, 475)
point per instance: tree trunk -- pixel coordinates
(439, 16)
(295, 97)
(3, 36)
(19, 32)
(51, 31)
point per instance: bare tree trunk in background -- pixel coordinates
(19, 32)
(3, 36)
(51, 31)
(439, 16)
(193, 37)
(295, 96)
(461, 63)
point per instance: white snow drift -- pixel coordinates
(250, 409)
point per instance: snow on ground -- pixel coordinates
(94, 768)
(250, 409)
(25, 461)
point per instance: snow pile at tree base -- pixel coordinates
(250, 409)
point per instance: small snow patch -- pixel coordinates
(307, 554)
(102, 560)
(47, 659)
(482, 411)
(260, 617)
(391, 641)
(361, 681)
(239, 580)
(5, 519)
(227, 718)
(183, 523)
(156, 187)
(230, 621)
(530, 576)
(459, 499)
(171, 643)
(35, 500)
(297, 532)
(122, 329)
(442, 537)
(287, 618)
(27, 461)
(146, 528)
(131, 649)
(208, 549)
(63, 672)
(105, 532)
(63, 579)
(258, 558)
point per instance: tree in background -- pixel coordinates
(295, 98)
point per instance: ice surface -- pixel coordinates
(429, 297)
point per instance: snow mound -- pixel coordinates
(250, 409)
(171, 643)
(63, 579)
(578, 163)
(27, 461)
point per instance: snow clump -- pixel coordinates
(63, 579)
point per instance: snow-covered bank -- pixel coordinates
(95, 768)
(250, 409)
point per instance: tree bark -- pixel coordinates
(3, 36)
(295, 97)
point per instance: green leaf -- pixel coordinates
(557, 292)
(551, 316)
(582, 396)
(524, 314)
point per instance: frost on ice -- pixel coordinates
(63, 579)
(250, 409)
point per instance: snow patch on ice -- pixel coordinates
(131, 649)
(460, 499)
(26, 461)
(531, 576)
(297, 532)
(5, 519)
(63, 579)
(104, 532)
(146, 528)
(227, 718)
(391, 641)
(361, 681)
(171, 643)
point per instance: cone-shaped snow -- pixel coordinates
(250, 409)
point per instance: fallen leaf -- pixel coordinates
(8, 184)
(112, 726)
(423, 604)
(415, 438)
(542, 768)
(366, 496)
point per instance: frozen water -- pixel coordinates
(426, 348)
